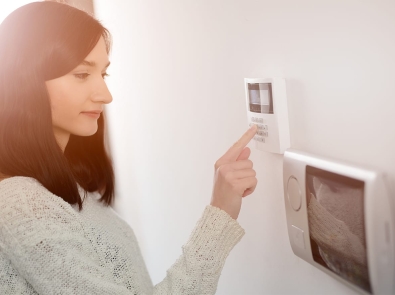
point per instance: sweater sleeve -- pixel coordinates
(333, 234)
(198, 269)
(45, 243)
(43, 238)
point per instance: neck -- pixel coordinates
(62, 139)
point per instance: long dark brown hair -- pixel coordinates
(42, 41)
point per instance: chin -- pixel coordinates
(86, 132)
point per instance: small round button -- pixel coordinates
(294, 193)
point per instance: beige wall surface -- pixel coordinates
(177, 81)
(85, 5)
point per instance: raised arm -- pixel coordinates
(198, 269)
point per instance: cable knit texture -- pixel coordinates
(47, 246)
(336, 225)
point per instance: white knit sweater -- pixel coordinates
(47, 246)
(336, 224)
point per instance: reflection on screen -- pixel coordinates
(336, 224)
(260, 98)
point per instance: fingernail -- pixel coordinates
(253, 126)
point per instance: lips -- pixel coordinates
(93, 114)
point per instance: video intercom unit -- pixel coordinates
(267, 108)
(340, 218)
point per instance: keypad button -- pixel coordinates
(260, 139)
(294, 193)
(298, 237)
(263, 133)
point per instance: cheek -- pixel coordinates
(60, 107)
(63, 102)
(55, 93)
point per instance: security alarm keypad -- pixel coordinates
(262, 130)
(340, 219)
(267, 108)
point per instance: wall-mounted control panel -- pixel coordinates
(341, 219)
(266, 101)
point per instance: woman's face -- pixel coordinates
(77, 98)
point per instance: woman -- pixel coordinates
(58, 234)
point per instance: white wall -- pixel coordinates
(6, 7)
(177, 82)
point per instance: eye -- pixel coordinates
(104, 75)
(81, 76)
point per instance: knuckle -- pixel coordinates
(217, 164)
(222, 170)
(228, 177)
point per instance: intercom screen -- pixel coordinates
(335, 206)
(260, 98)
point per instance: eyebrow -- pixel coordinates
(93, 64)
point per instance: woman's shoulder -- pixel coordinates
(18, 183)
(28, 194)
(29, 213)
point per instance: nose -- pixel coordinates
(101, 93)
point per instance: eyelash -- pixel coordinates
(84, 76)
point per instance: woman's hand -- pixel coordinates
(234, 177)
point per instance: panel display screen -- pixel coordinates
(335, 206)
(260, 98)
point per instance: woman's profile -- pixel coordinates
(58, 232)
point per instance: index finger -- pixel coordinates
(233, 153)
